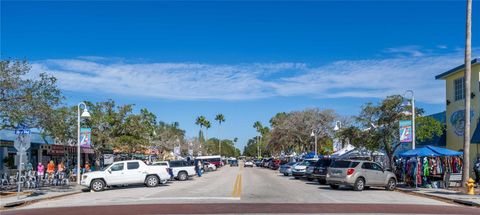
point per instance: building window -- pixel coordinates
(459, 88)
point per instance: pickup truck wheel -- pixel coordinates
(182, 176)
(97, 185)
(285, 174)
(151, 181)
(359, 184)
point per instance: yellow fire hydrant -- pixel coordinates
(470, 187)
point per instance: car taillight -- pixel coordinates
(350, 171)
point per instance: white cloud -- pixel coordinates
(409, 51)
(373, 78)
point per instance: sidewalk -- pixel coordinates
(32, 196)
(444, 194)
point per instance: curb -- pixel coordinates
(458, 201)
(25, 202)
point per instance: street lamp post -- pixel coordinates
(314, 134)
(84, 114)
(413, 114)
(338, 125)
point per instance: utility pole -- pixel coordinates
(468, 75)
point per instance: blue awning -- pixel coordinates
(419, 152)
(444, 151)
(476, 135)
(430, 151)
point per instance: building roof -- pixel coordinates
(35, 137)
(456, 69)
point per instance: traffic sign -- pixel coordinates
(22, 142)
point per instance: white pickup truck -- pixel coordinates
(126, 172)
(180, 169)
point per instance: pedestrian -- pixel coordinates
(51, 167)
(40, 170)
(87, 167)
(476, 169)
(199, 168)
(61, 167)
(29, 167)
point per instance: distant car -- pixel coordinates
(286, 169)
(248, 164)
(300, 169)
(359, 174)
(233, 163)
(209, 167)
(319, 170)
(258, 162)
(274, 164)
(182, 169)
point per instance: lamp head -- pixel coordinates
(336, 128)
(405, 103)
(312, 134)
(85, 113)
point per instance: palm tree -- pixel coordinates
(220, 118)
(207, 125)
(200, 121)
(468, 76)
(258, 125)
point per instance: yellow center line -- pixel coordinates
(237, 186)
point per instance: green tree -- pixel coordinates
(220, 118)
(381, 125)
(200, 121)
(28, 101)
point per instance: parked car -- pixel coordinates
(125, 172)
(319, 170)
(208, 167)
(258, 162)
(248, 164)
(286, 169)
(233, 162)
(300, 169)
(266, 162)
(274, 164)
(359, 174)
(166, 164)
(182, 169)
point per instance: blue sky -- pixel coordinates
(247, 60)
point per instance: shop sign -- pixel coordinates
(57, 150)
(406, 131)
(87, 150)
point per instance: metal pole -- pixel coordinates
(19, 174)
(413, 120)
(316, 144)
(78, 142)
(468, 75)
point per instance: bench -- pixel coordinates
(453, 178)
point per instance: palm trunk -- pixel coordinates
(468, 75)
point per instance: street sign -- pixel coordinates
(22, 142)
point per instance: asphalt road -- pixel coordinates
(241, 190)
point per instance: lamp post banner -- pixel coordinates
(85, 137)
(406, 131)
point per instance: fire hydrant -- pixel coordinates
(470, 187)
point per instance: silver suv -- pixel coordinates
(359, 174)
